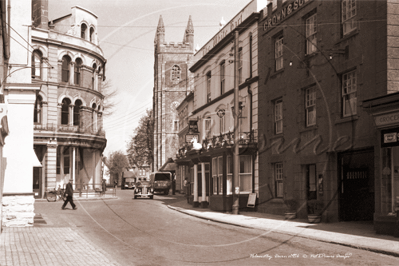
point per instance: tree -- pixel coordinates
(140, 148)
(109, 97)
(116, 163)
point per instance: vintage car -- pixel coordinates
(129, 183)
(143, 189)
(161, 181)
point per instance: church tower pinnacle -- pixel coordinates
(189, 34)
(160, 34)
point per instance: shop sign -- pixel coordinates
(286, 11)
(190, 137)
(390, 137)
(387, 119)
(193, 126)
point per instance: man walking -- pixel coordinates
(69, 195)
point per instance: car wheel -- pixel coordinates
(151, 197)
(166, 192)
(135, 197)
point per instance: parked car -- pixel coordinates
(161, 181)
(144, 189)
(129, 183)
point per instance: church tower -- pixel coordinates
(172, 82)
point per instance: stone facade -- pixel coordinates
(18, 210)
(172, 82)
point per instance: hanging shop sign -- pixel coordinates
(190, 137)
(278, 16)
(390, 137)
(193, 127)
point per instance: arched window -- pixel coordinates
(66, 103)
(93, 78)
(78, 66)
(37, 113)
(94, 117)
(76, 112)
(83, 29)
(91, 34)
(176, 74)
(37, 59)
(66, 61)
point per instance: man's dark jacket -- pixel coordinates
(69, 189)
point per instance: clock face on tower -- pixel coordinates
(174, 105)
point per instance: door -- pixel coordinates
(37, 182)
(357, 187)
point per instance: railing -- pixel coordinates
(93, 190)
(221, 140)
(45, 127)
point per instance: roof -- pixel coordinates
(168, 166)
(127, 173)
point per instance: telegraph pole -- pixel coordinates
(236, 156)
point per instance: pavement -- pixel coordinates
(47, 245)
(359, 235)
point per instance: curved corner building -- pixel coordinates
(68, 126)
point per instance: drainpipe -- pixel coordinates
(250, 126)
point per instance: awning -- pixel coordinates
(169, 166)
(35, 160)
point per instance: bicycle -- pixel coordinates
(55, 195)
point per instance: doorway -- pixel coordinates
(356, 193)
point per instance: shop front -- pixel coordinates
(385, 112)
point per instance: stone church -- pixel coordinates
(172, 82)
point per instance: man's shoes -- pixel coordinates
(63, 208)
(75, 208)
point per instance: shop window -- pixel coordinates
(278, 52)
(310, 106)
(278, 179)
(215, 175)
(66, 62)
(76, 112)
(67, 160)
(37, 114)
(245, 174)
(349, 94)
(37, 61)
(348, 9)
(278, 116)
(311, 181)
(208, 87)
(66, 103)
(222, 77)
(311, 34)
(390, 180)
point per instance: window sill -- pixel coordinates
(348, 36)
(277, 72)
(310, 128)
(346, 119)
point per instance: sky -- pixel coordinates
(126, 31)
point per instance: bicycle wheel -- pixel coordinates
(51, 197)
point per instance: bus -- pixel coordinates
(161, 181)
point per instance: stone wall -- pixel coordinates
(18, 210)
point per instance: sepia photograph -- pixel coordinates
(188, 132)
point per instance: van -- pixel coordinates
(161, 181)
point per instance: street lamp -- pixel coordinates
(236, 114)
